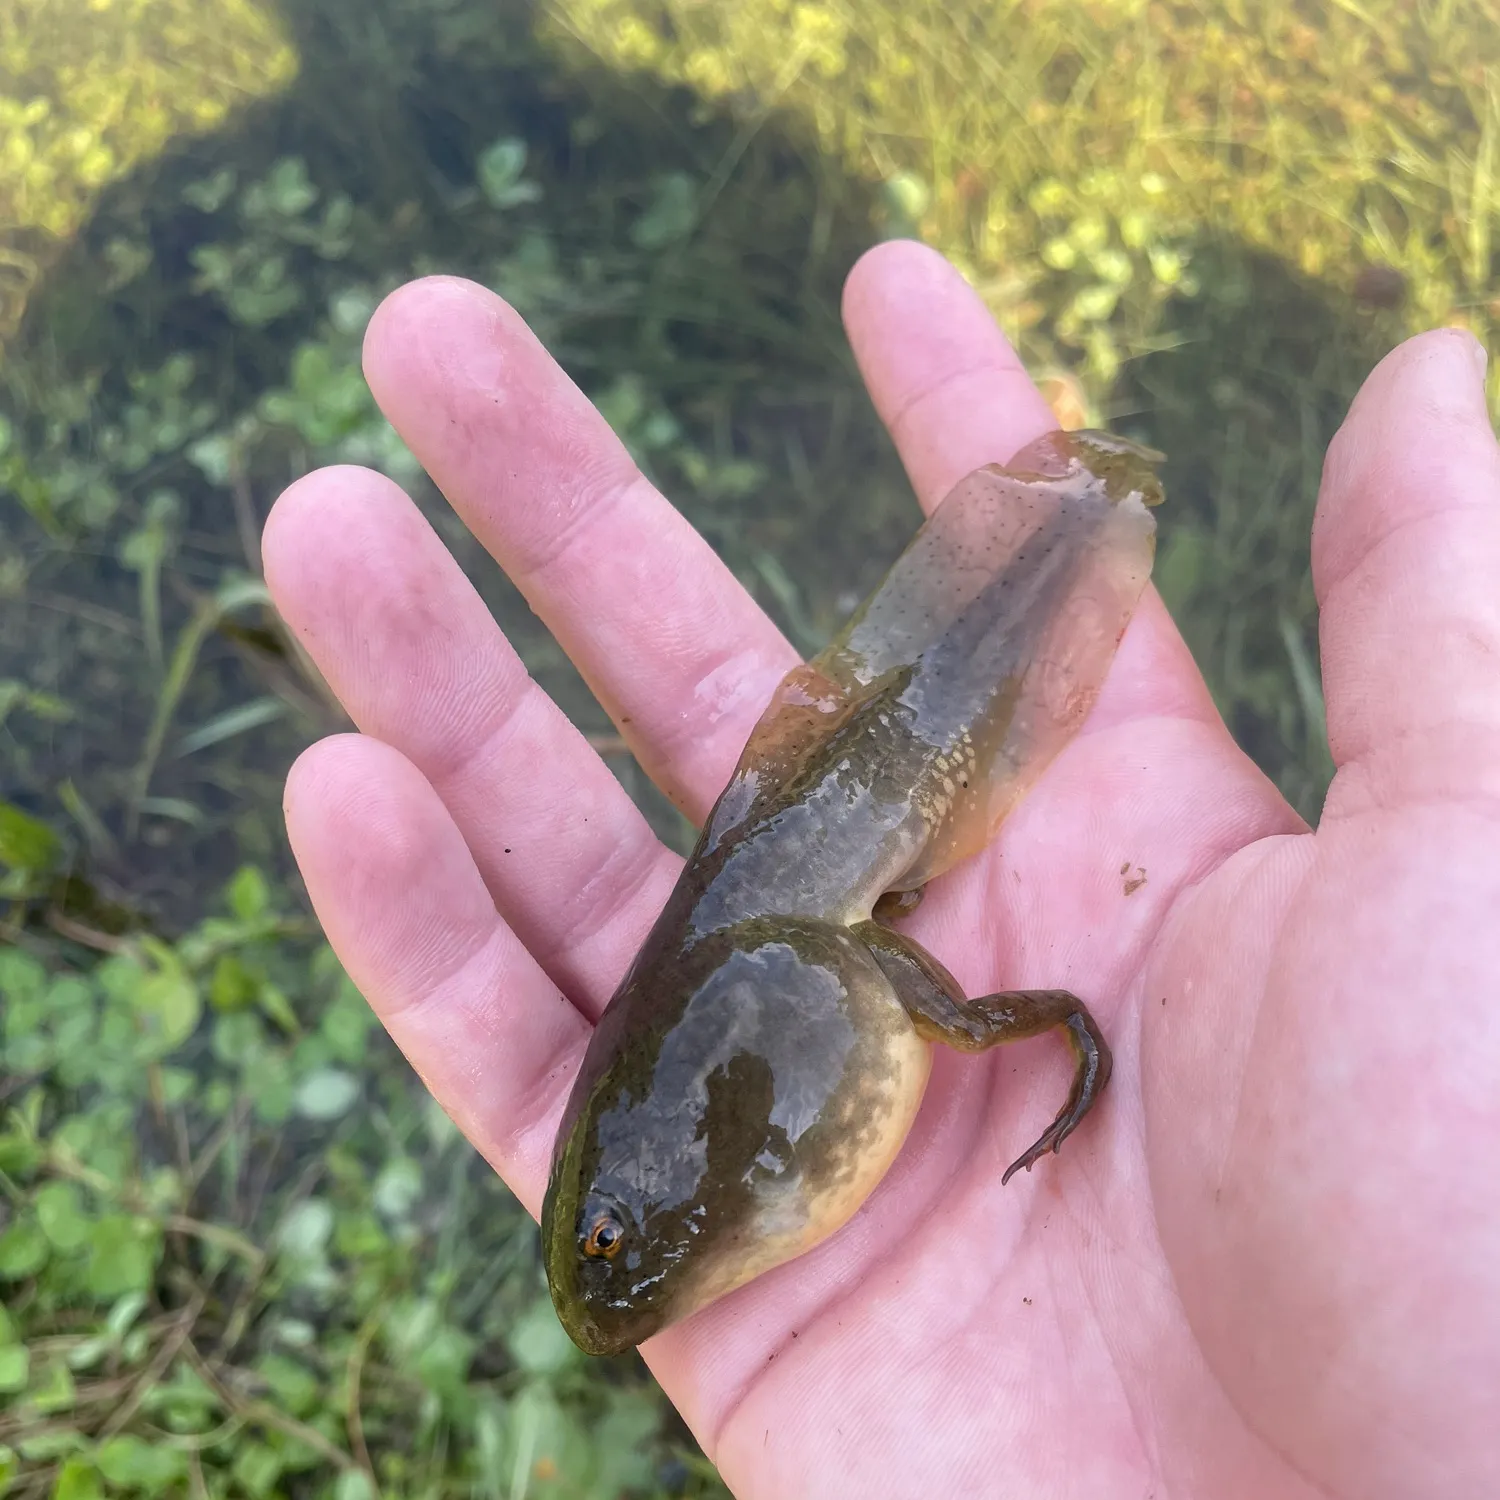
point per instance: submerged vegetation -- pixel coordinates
(240, 1252)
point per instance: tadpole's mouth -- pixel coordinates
(609, 1335)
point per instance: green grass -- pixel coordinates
(240, 1253)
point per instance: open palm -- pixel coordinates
(1269, 1263)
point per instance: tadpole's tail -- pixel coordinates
(993, 642)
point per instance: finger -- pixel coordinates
(955, 396)
(947, 384)
(1406, 551)
(408, 914)
(677, 652)
(404, 640)
(1154, 780)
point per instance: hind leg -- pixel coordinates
(940, 1014)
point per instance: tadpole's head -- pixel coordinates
(592, 1246)
(1126, 468)
(736, 1104)
(651, 1202)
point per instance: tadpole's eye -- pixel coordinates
(606, 1235)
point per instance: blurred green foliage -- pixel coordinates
(90, 91)
(240, 1253)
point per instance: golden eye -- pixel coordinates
(606, 1235)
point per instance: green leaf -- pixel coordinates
(26, 843)
(398, 1187)
(239, 1040)
(124, 1313)
(907, 195)
(622, 1440)
(294, 1386)
(177, 1085)
(50, 1444)
(54, 1391)
(78, 1479)
(166, 1002)
(19, 1154)
(21, 976)
(443, 1361)
(346, 1025)
(409, 1323)
(87, 1355)
(538, 1343)
(240, 719)
(257, 1468)
(499, 174)
(61, 1213)
(353, 1484)
(232, 987)
(15, 1368)
(209, 194)
(249, 894)
(671, 214)
(274, 1003)
(547, 1443)
(10, 1466)
(183, 1403)
(132, 1463)
(23, 1250)
(326, 1094)
(306, 1230)
(122, 1256)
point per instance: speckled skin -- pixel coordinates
(763, 1059)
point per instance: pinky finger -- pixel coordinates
(406, 910)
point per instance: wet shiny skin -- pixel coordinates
(761, 1063)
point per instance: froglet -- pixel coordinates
(764, 1056)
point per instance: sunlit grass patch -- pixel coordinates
(90, 89)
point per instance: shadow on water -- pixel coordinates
(724, 334)
(726, 338)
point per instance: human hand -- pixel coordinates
(1269, 1262)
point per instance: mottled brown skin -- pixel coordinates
(763, 1059)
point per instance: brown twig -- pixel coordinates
(18, 1429)
(215, 1144)
(87, 937)
(216, 1234)
(20, 1081)
(160, 1362)
(354, 1421)
(95, 614)
(194, 1442)
(263, 1414)
(197, 1485)
(246, 522)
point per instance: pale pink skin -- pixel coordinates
(1269, 1264)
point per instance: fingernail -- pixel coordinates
(1482, 359)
